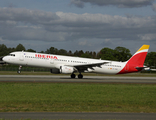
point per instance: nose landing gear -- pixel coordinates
(19, 69)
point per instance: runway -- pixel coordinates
(79, 115)
(86, 79)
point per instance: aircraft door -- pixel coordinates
(21, 58)
(51, 61)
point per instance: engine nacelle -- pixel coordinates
(55, 71)
(66, 69)
(147, 69)
(89, 70)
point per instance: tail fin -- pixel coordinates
(138, 58)
(136, 62)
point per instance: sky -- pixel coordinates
(87, 25)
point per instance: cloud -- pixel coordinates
(24, 24)
(118, 3)
(77, 3)
(83, 43)
(147, 36)
(1, 40)
(154, 7)
(27, 16)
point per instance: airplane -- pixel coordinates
(149, 69)
(69, 65)
(1, 61)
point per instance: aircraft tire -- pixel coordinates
(80, 76)
(19, 72)
(73, 75)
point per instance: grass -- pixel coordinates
(72, 97)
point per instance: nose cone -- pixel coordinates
(4, 59)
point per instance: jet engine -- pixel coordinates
(66, 69)
(55, 71)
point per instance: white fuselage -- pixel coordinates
(55, 61)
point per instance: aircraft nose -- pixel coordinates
(4, 59)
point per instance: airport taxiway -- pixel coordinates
(86, 79)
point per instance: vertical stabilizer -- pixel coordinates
(136, 62)
(138, 58)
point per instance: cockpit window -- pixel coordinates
(12, 55)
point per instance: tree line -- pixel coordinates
(117, 54)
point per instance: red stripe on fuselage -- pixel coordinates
(135, 61)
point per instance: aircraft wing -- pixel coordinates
(83, 67)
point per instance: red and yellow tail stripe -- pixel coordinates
(144, 48)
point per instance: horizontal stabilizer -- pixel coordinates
(140, 68)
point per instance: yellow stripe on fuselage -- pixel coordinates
(144, 47)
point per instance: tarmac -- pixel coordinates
(86, 79)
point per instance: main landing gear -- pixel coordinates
(73, 75)
(80, 76)
(19, 69)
